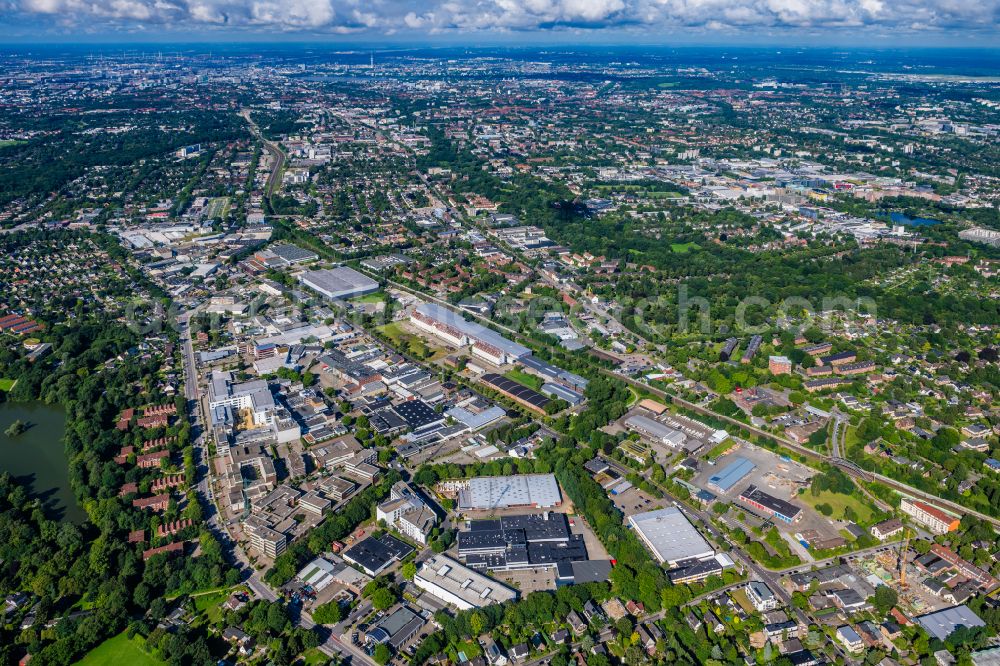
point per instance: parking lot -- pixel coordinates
(529, 580)
(634, 501)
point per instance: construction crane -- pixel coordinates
(902, 558)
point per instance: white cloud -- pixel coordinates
(387, 16)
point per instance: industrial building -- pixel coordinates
(770, 505)
(669, 536)
(485, 493)
(535, 541)
(339, 283)
(725, 479)
(517, 392)
(942, 623)
(460, 586)
(656, 431)
(560, 392)
(456, 330)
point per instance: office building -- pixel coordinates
(407, 512)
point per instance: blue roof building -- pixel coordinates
(731, 474)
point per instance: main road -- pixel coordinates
(213, 519)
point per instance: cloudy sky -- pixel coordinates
(821, 22)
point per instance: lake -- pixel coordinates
(902, 218)
(37, 458)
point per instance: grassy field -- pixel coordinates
(7, 384)
(10, 142)
(211, 604)
(120, 650)
(719, 449)
(313, 657)
(408, 342)
(369, 298)
(522, 377)
(838, 503)
(684, 248)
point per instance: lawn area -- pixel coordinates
(719, 449)
(408, 342)
(7, 384)
(313, 657)
(10, 142)
(522, 377)
(684, 248)
(369, 298)
(211, 604)
(838, 503)
(120, 650)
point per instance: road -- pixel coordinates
(213, 520)
(334, 643)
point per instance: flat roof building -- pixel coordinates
(770, 505)
(501, 492)
(342, 282)
(670, 536)
(397, 629)
(460, 586)
(374, 555)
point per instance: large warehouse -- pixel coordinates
(669, 536)
(342, 282)
(502, 492)
(460, 586)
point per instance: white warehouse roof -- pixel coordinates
(669, 536)
(499, 492)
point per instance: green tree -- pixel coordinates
(382, 654)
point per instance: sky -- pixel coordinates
(799, 22)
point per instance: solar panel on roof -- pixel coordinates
(513, 388)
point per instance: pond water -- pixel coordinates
(902, 218)
(37, 458)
